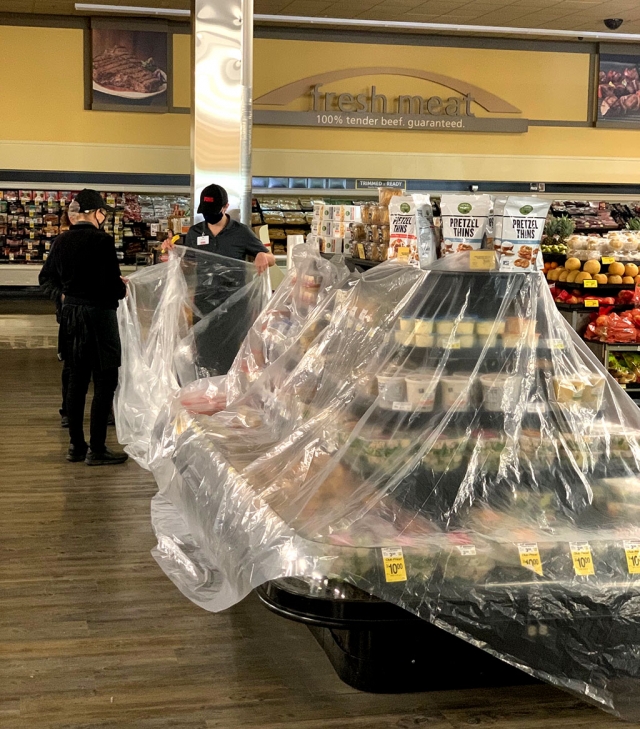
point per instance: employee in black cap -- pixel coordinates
(83, 267)
(222, 235)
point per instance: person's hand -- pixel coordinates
(124, 280)
(170, 241)
(262, 262)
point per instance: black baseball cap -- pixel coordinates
(90, 200)
(212, 199)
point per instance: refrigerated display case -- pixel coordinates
(447, 445)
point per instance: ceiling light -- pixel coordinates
(448, 27)
(378, 24)
(131, 10)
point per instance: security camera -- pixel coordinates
(613, 23)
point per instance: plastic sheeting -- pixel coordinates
(181, 320)
(449, 414)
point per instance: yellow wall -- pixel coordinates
(547, 86)
(44, 125)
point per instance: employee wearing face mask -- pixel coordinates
(220, 234)
(215, 284)
(83, 268)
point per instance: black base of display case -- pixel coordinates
(377, 647)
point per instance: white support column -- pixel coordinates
(222, 112)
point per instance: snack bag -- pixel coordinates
(522, 225)
(411, 234)
(489, 233)
(464, 222)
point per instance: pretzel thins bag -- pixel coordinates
(522, 225)
(464, 222)
(411, 235)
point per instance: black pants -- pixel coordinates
(104, 387)
(66, 371)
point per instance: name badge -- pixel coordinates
(202, 240)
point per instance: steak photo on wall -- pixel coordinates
(128, 69)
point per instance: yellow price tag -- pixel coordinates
(453, 345)
(482, 260)
(360, 250)
(403, 253)
(606, 260)
(394, 567)
(530, 557)
(632, 552)
(590, 284)
(591, 303)
(582, 558)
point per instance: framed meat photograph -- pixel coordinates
(128, 69)
(618, 94)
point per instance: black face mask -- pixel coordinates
(214, 218)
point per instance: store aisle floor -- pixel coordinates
(93, 635)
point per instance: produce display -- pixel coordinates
(615, 328)
(488, 488)
(556, 232)
(624, 367)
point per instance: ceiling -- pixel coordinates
(557, 14)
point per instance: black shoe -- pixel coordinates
(77, 453)
(64, 421)
(104, 458)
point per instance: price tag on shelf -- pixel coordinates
(360, 250)
(467, 550)
(606, 260)
(530, 557)
(590, 284)
(453, 345)
(394, 567)
(632, 552)
(482, 260)
(591, 303)
(582, 558)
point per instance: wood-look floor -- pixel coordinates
(93, 635)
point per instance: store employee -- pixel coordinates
(218, 339)
(220, 234)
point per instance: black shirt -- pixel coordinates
(235, 240)
(83, 265)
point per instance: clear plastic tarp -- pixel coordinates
(440, 439)
(182, 320)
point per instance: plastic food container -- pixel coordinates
(497, 388)
(452, 388)
(446, 341)
(424, 340)
(407, 324)
(466, 326)
(593, 391)
(407, 339)
(517, 325)
(444, 326)
(391, 388)
(488, 340)
(424, 326)
(569, 390)
(467, 341)
(487, 326)
(421, 390)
